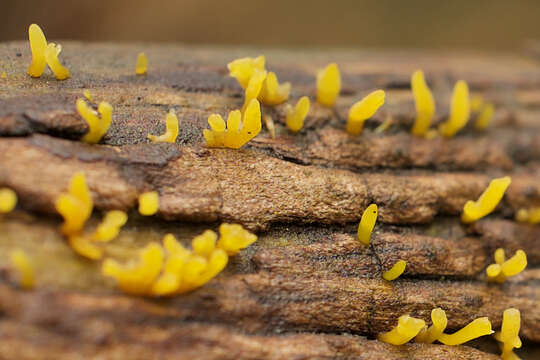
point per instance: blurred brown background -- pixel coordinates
(482, 24)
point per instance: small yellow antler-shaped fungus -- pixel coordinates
(242, 69)
(367, 223)
(503, 269)
(75, 206)
(395, 271)
(23, 265)
(509, 334)
(328, 85)
(148, 203)
(142, 64)
(407, 328)
(171, 122)
(296, 116)
(439, 322)
(272, 93)
(234, 237)
(82, 246)
(43, 54)
(485, 117)
(532, 215)
(8, 200)
(110, 226)
(254, 87)
(486, 203)
(238, 132)
(475, 329)
(425, 105)
(363, 110)
(460, 110)
(51, 55)
(98, 126)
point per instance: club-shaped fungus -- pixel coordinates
(295, 116)
(460, 110)
(43, 54)
(395, 271)
(234, 237)
(109, 228)
(75, 206)
(532, 215)
(367, 223)
(242, 69)
(84, 247)
(424, 103)
(8, 200)
(484, 118)
(487, 202)
(475, 329)
(328, 85)
(238, 131)
(98, 126)
(22, 264)
(509, 334)
(406, 329)
(170, 135)
(142, 64)
(363, 110)
(503, 269)
(254, 87)
(272, 92)
(148, 203)
(439, 322)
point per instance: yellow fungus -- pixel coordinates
(460, 110)
(532, 215)
(424, 103)
(110, 226)
(88, 95)
(242, 69)
(328, 85)
(254, 87)
(385, 125)
(234, 237)
(509, 334)
(148, 203)
(485, 117)
(25, 270)
(38, 45)
(142, 64)
(8, 200)
(269, 123)
(295, 116)
(51, 56)
(98, 126)
(395, 271)
(170, 135)
(504, 269)
(477, 102)
(486, 203)
(75, 206)
(475, 329)
(367, 223)
(4, 75)
(363, 110)
(238, 131)
(84, 247)
(406, 329)
(439, 322)
(273, 93)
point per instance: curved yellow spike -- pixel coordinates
(439, 322)
(51, 56)
(25, 270)
(328, 85)
(234, 121)
(367, 223)
(475, 329)
(460, 110)
(509, 334)
(242, 69)
(254, 86)
(97, 126)
(148, 203)
(8, 200)
(170, 135)
(84, 247)
(395, 271)
(38, 45)
(109, 228)
(486, 203)
(295, 116)
(406, 329)
(515, 264)
(234, 237)
(425, 105)
(485, 117)
(75, 206)
(142, 64)
(273, 93)
(363, 110)
(493, 270)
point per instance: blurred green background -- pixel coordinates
(481, 24)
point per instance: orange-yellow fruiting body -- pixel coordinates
(509, 334)
(486, 203)
(363, 110)
(485, 117)
(148, 203)
(238, 132)
(328, 85)
(234, 237)
(25, 270)
(142, 64)
(171, 123)
(395, 271)
(51, 56)
(295, 116)
(425, 105)
(460, 110)
(475, 329)
(110, 226)
(503, 269)
(254, 87)
(242, 69)
(532, 215)
(75, 206)
(439, 322)
(406, 329)
(84, 247)
(38, 45)
(97, 126)
(8, 200)
(367, 223)
(273, 93)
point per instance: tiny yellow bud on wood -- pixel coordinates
(254, 86)
(328, 85)
(8, 200)
(486, 203)
(273, 93)
(439, 322)
(425, 105)
(110, 226)
(38, 45)
(25, 270)
(363, 110)
(295, 116)
(97, 126)
(75, 206)
(242, 69)
(367, 223)
(170, 135)
(4, 75)
(460, 110)
(51, 56)
(532, 215)
(475, 329)
(395, 271)
(148, 203)
(509, 334)
(234, 237)
(485, 117)
(142, 64)
(84, 247)
(406, 329)
(503, 269)
(88, 95)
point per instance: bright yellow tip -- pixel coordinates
(296, 116)
(367, 223)
(486, 203)
(97, 126)
(25, 270)
(532, 215)
(406, 329)
(237, 133)
(110, 226)
(88, 95)
(499, 256)
(171, 122)
(38, 45)
(395, 271)
(75, 206)
(509, 334)
(84, 247)
(148, 203)
(51, 56)
(363, 110)
(460, 110)
(234, 237)
(425, 105)
(254, 86)
(475, 329)
(485, 117)
(272, 93)
(439, 322)
(328, 85)
(142, 64)
(8, 200)
(242, 69)
(503, 269)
